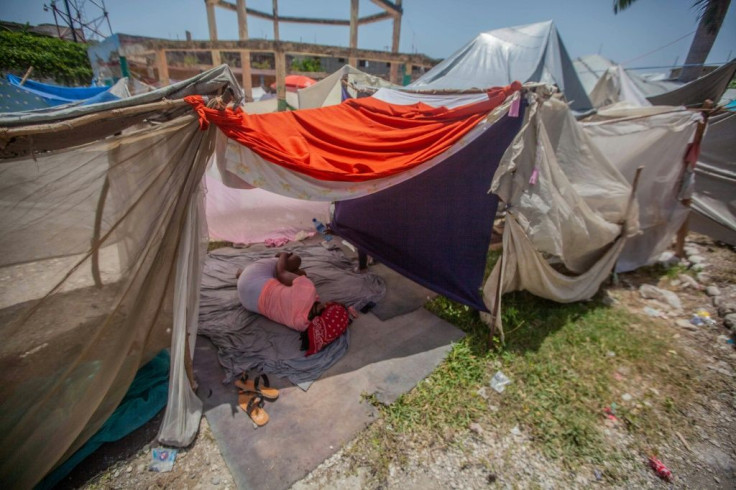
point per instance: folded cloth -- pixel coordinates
(327, 327)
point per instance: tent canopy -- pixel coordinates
(528, 53)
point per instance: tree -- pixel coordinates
(710, 18)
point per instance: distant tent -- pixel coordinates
(528, 53)
(608, 83)
(592, 67)
(345, 83)
(295, 82)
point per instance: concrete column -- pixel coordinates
(353, 24)
(163, 67)
(247, 81)
(280, 57)
(211, 20)
(275, 20)
(395, 45)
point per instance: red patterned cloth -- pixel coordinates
(327, 327)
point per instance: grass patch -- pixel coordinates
(567, 363)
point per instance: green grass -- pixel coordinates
(562, 361)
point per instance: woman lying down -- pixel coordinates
(278, 289)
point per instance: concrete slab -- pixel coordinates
(386, 358)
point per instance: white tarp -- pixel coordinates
(329, 90)
(615, 86)
(566, 207)
(592, 67)
(656, 139)
(528, 53)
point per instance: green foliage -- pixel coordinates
(307, 64)
(64, 61)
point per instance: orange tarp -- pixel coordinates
(356, 141)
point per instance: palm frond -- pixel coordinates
(620, 5)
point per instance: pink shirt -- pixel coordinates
(288, 305)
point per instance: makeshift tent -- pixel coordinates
(618, 94)
(103, 230)
(714, 197)
(243, 214)
(101, 243)
(55, 95)
(345, 83)
(528, 53)
(592, 67)
(608, 83)
(656, 139)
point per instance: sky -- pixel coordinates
(651, 33)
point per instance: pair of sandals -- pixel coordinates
(252, 394)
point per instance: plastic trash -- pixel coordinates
(702, 317)
(499, 382)
(660, 469)
(162, 459)
(653, 312)
(322, 229)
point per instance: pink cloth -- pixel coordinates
(276, 242)
(288, 305)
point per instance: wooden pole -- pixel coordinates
(211, 19)
(689, 165)
(28, 74)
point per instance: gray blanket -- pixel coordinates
(248, 341)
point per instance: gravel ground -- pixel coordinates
(483, 457)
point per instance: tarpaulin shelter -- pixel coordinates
(609, 83)
(714, 196)
(528, 53)
(104, 229)
(619, 94)
(54, 95)
(345, 83)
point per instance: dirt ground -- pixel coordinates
(706, 458)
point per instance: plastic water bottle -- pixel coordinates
(322, 229)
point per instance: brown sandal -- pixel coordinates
(252, 404)
(255, 386)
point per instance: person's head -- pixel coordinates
(293, 262)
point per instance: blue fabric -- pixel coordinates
(146, 397)
(15, 99)
(731, 106)
(55, 95)
(436, 227)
